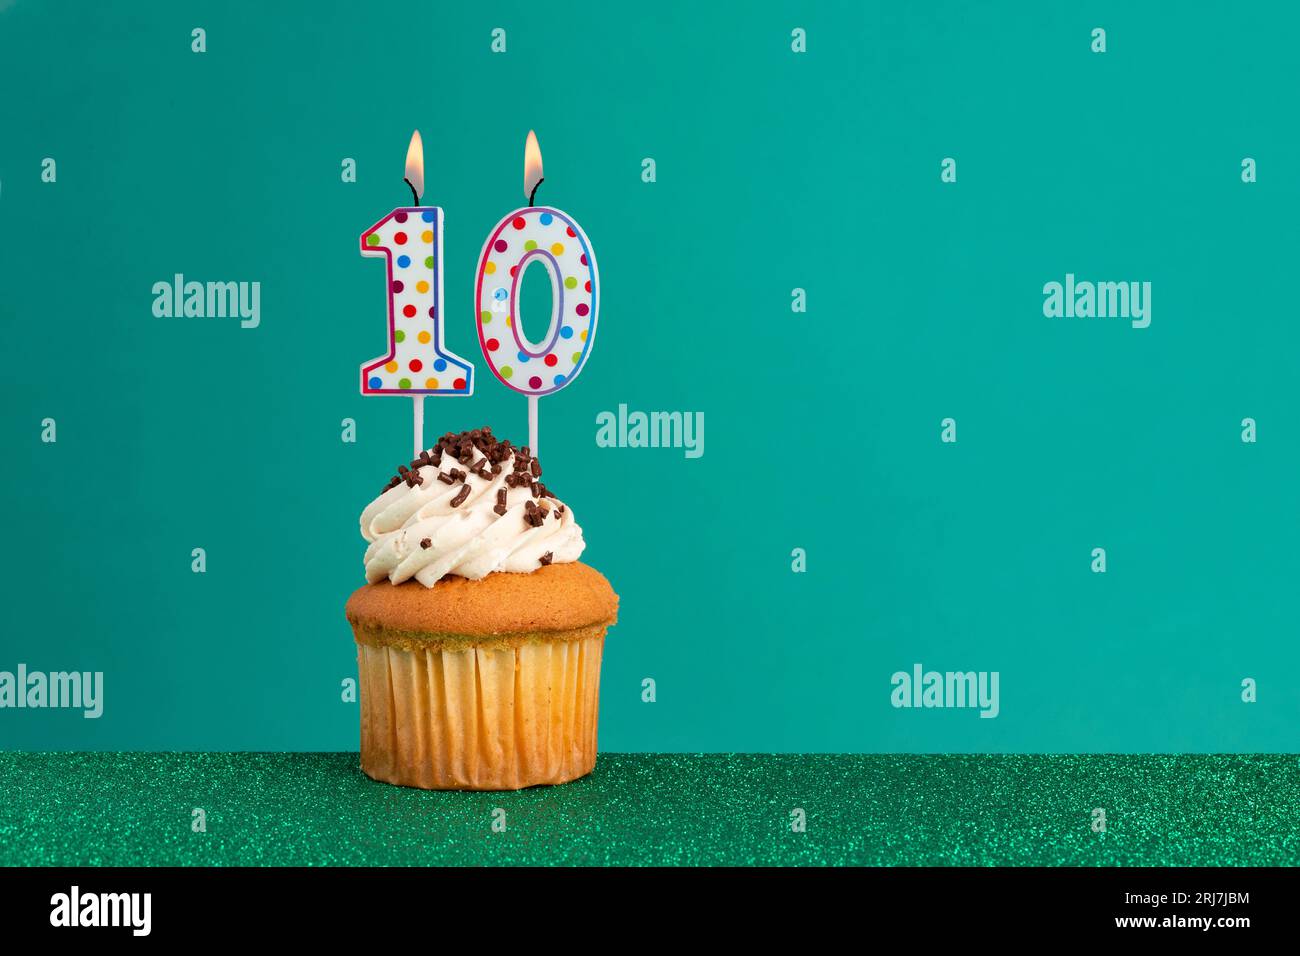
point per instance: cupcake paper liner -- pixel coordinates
(480, 717)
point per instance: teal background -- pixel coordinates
(775, 171)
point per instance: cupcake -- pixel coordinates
(479, 633)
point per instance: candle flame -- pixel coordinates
(532, 165)
(415, 163)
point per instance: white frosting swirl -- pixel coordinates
(470, 540)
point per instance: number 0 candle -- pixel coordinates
(417, 363)
(553, 238)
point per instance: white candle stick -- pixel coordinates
(419, 423)
(532, 425)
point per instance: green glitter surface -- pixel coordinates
(318, 809)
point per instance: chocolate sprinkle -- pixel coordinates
(426, 543)
(483, 454)
(533, 516)
(460, 496)
(547, 558)
(501, 502)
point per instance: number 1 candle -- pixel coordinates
(553, 238)
(417, 363)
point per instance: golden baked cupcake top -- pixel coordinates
(557, 602)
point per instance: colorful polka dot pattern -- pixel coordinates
(558, 242)
(411, 240)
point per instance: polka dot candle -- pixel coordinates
(410, 239)
(554, 241)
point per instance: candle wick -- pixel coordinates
(533, 194)
(413, 192)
